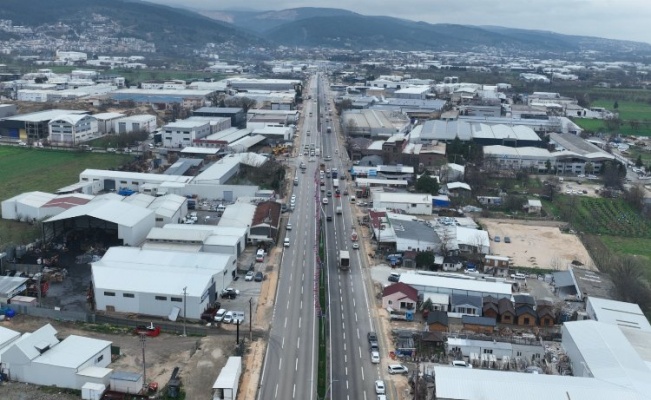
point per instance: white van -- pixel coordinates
(352, 199)
(259, 256)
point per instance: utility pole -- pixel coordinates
(251, 319)
(185, 292)
(143, 339)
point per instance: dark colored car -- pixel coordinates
(371, 336)
(258, 277)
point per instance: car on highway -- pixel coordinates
(289, 226)
(329, 193)
(381, 397)
(379, 387)
(286, 242)
(355, 246)
(375, 357)
(345, 192)
(371, 336)
(249, 276)
(259, 277)
(373, 346)
(325, 200)
(397, 369)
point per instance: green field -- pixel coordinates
(24, 170)
(612, 217)
(635, 117)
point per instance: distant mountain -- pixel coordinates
(173, 30)
(263, 21)
(315, 27)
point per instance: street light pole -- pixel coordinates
(185, 292)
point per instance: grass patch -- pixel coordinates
(592, 125)
(24, 170)
(628, 110)
(612, 217)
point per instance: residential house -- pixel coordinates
(465, 305)
(476, 324)
(440, 301)
(433, 339)
(266, 222)
(497, 265)
(491, 307)
(506, 311)
(458, 189)
(437, 321)
(399, 297)
(409, 259)
(545, 311)
(452, 263)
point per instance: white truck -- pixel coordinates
(339, 210)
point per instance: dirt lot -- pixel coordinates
(535, 244)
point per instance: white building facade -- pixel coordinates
(72, 129)
(184, 133)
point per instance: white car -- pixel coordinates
(325, 200)
(286, 243)
(375, 357)
(355, 246)
(379, 387)
(228, 317)
(397, 369)
(249, 276)
(289, 226)
(219, 317)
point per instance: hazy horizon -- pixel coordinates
(627, 20)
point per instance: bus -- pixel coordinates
(344, 260)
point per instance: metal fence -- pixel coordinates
(58, 315)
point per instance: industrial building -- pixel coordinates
(480, 133)
(105, 180)
(244, 84)
(403, 233)
(32, 126)
(223, 138)
(427, 283)
(135, 123)
(410, 203)
(283, 117)
(237, 115)
(159, 282)
(162, 99)
(35, 206)
(205, 238)
(105, 121)
(72, 129)
(125, 223)
(184, 133)
(373, 124)
(40, 358)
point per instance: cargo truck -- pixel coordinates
(344, 260)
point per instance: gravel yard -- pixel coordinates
(536, 245)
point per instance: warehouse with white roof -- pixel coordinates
(128, 224)
(410, 203)
(426, 283)
(152, 282)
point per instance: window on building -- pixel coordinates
(488, 351)
(128, 295)
(176, 299)
(100, 358)
(162, 298)
(159, 219)
(519, 354)
(526, 321)
(109, 293)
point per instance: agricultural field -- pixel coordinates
(628, 110)
(23, 170)
(635, 117)
(612, 217)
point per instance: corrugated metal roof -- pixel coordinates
(230, 374)
(454, 383)
(110, 210)
(619, 313)
(72, 352)
(416, 279)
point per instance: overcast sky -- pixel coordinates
(615, 19)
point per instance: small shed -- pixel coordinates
(534, 206)
(92, 391)
(452, 263)
(437, 321)
(475, 324)
(126, 382)
(490, 308)
(546, 314)
(526, 315)
(506, 311)
(226, 385)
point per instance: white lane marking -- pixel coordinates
(288, 305)
(360, 351)
(357, 333)
(280, 363)
(276, 391)
(296, 366)
(285, 322)
(299, 321)
(298, 343)
(282, 345)
(355, 318)
(362, 368)
(294, 392)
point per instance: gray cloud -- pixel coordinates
(623, 19)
